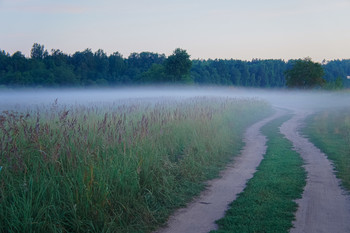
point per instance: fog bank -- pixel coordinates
(307, 100)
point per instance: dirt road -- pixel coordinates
(324, 207)
(200, 215)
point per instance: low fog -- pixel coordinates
(303, 100)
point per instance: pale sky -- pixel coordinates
(269, 29)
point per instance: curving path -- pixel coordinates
(200, 215)
(324, 207)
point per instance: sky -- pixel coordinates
(207, 29)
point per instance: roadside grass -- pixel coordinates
(266, 204)
(330, 131)
(121, 167)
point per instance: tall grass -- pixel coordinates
(121, 167)
(330, 131)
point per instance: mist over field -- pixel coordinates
(111, 158)
(194, 128)
(22, 99)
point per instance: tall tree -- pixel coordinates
(19, 62)
(101, 62)
(305, 74)
(38, 51)
(178, 66)
(116, 67)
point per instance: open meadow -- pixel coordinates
(124, 160)
(115, 167)
(174, 116)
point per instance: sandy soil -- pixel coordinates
(200, 215)
(324, 206)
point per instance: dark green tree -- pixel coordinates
(178, 66)
(38, 51)
(155, 74)
(19, 62)
(337, 84)
(305, 74)
(116, 67)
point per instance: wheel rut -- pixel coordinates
(324, 206)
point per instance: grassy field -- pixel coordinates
(266, 204)
(120, 167)
(330, 131)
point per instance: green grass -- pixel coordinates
(266, 204)
(330, 131)
(122, 167)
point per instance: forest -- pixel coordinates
(88, 68)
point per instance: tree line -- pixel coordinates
(88, 68)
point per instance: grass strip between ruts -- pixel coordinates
(266, 204)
